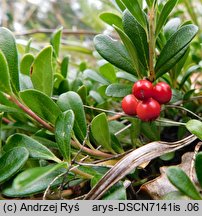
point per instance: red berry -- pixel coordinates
(162, 92)
(129, 104)
(148, 110)
(142, 89)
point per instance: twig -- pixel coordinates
(95, 152)
(7, 121)
(103, 110)
(29, 112)
(50, 31)
(47, 189)
(123, 129)
(183, 108)
(116, 117)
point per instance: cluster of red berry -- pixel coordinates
(146, 99)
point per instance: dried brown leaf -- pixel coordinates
(133, 160)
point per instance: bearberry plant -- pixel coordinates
(76, 130)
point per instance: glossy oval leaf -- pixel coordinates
(5, 85)
(198, 167)
(182, 182)
(8, 109)
(175, 48)
(171, 27)
(130, 48)
(30, 177)
(72, 101)
(100, 131)
(42, 72)
(108, 72)
(35, 148)
(82, 92)
(12, 161)
(63, 132)
(195, 127)
(9, 49)
(91, 74)
(126, 76)
(114, 52)
(116, 192)
(55, 41)
(150, 130)
(188, 73)
(26, 63)
(111, 19)
(120, 5)
(138, 37)
(41, 104)
(118, 90)
(38, 186)
(64, 66)
(167, 8)
(134, 7)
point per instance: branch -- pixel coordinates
(30, 112)
(50, 31)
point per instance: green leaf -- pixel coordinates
(28, 46)
(198, 167)
(126, 76)
(116, 192)
(71, 100)
(171, 27)
(120, 5)
(150, 130)
(116, 145)
(30, 177)
(175, 195)
(135, 9)
(38, 186)
(130, 48)
(35, 148)
(111, 19)
(134, 130)
(8, 109)
(100, 131)
(64, 66)
(107, 70)
(12, 161)
(182, 182)
(138, 36)
(168, 156)
(188, 73)
(42, 72)
(114, 52)
(26, 63)
(5, 85)
(150, 3)
(118, 90)
(55, 41)
(180, 64)
(95, 76)
(9, 49)
(41, 104)
(63, 131)
(96, 96)
(195, 127)
(174, 49)
(82, 92)
(167, 8)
